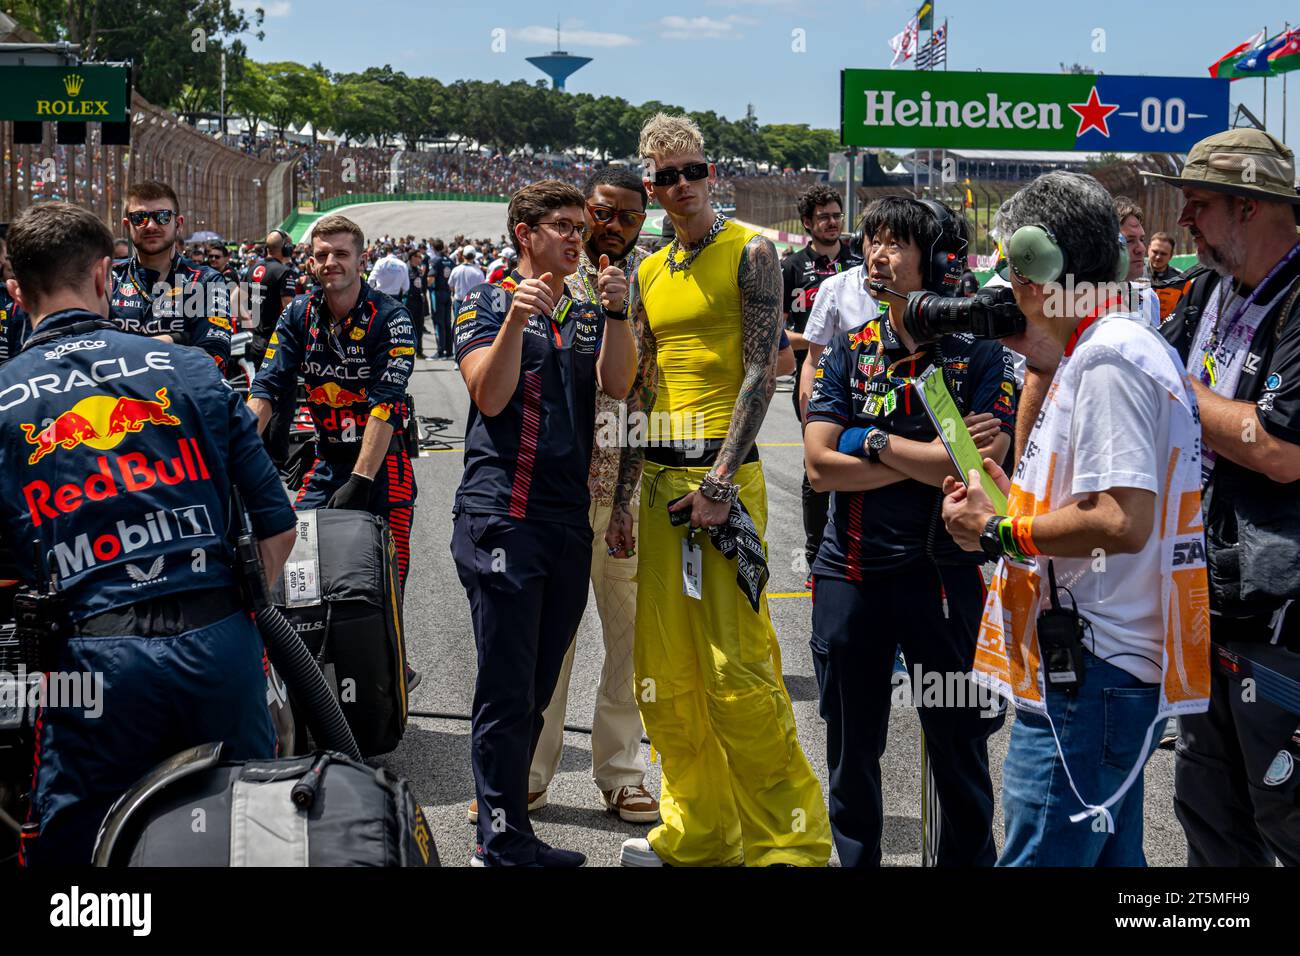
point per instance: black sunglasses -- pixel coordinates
(693, 173)
(160, 216)
(626, 217)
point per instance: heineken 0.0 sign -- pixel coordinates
(71, 94)
(1133, 114)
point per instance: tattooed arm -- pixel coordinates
(760, 316)
(619, 536)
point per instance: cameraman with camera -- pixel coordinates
(886, 572)
(1097, 620)
(118, 454)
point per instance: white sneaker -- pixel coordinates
(637, 852)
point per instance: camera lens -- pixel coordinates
(991, 314)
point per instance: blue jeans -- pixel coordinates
(1101, 729)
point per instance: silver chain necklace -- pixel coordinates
(674, 266)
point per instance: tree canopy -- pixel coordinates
(177, 48)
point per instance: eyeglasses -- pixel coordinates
(216, 255)
(693, 173)
(564, 228)
(161, 216)
(627, 218)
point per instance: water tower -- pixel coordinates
(559, 65)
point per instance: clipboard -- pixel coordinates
(945, 417)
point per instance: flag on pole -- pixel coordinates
(1222, 69)
(1286, 57)
(1256, 62)
(934, 51)
(925, 16)
(904, 44)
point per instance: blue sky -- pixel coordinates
(722, 54)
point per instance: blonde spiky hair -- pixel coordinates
(664, 135)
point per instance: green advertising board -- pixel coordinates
(922, 109)
(72, 94)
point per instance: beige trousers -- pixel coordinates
(616, 726)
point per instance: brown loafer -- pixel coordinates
(632, 804)
(535, 802)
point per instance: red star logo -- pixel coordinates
(1092, 114)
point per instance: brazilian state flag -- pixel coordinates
(925, 16)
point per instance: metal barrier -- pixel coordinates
(220, 189)
(772, 201)
(348, 199)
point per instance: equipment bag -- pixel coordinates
(340, 592)
(321, 809)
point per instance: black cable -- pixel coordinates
(1092, 635)
(447, 715)
(432, 439)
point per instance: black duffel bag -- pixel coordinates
(320, 809)
(340, 593)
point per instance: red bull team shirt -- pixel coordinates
(191, 304)
(358, 371)
(117, 453)
(531, 460)
(863, 379)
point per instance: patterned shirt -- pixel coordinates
(604, 458)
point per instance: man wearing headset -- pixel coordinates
(274, 278)
(1097, 619)
(887, 573)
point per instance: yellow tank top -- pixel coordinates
(695, 318)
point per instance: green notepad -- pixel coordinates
(953, 433)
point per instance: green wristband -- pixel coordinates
(1008, 540)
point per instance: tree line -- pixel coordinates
(394, 108)
(177, 46)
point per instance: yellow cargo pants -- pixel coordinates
(737, 788)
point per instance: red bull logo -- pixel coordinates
(334, 395)
(115, 475)
(864, 336)
(100, 422)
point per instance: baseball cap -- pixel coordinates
(1242, 162)
(469, 252)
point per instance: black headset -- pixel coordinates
(945, 261)
(286, 243)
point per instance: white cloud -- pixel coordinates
(570, 38)
(700, 28)
(272, 8)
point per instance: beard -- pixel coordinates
(157, 244)
(1228, 256)
(615, 255)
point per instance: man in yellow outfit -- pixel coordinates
(737, 788)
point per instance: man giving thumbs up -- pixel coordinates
(532, 358)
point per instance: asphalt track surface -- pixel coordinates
(435, 753)
(445, 219)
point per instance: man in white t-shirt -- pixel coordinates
(1104, 504)
(390, 275)
(842, 304)
(465, 277)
